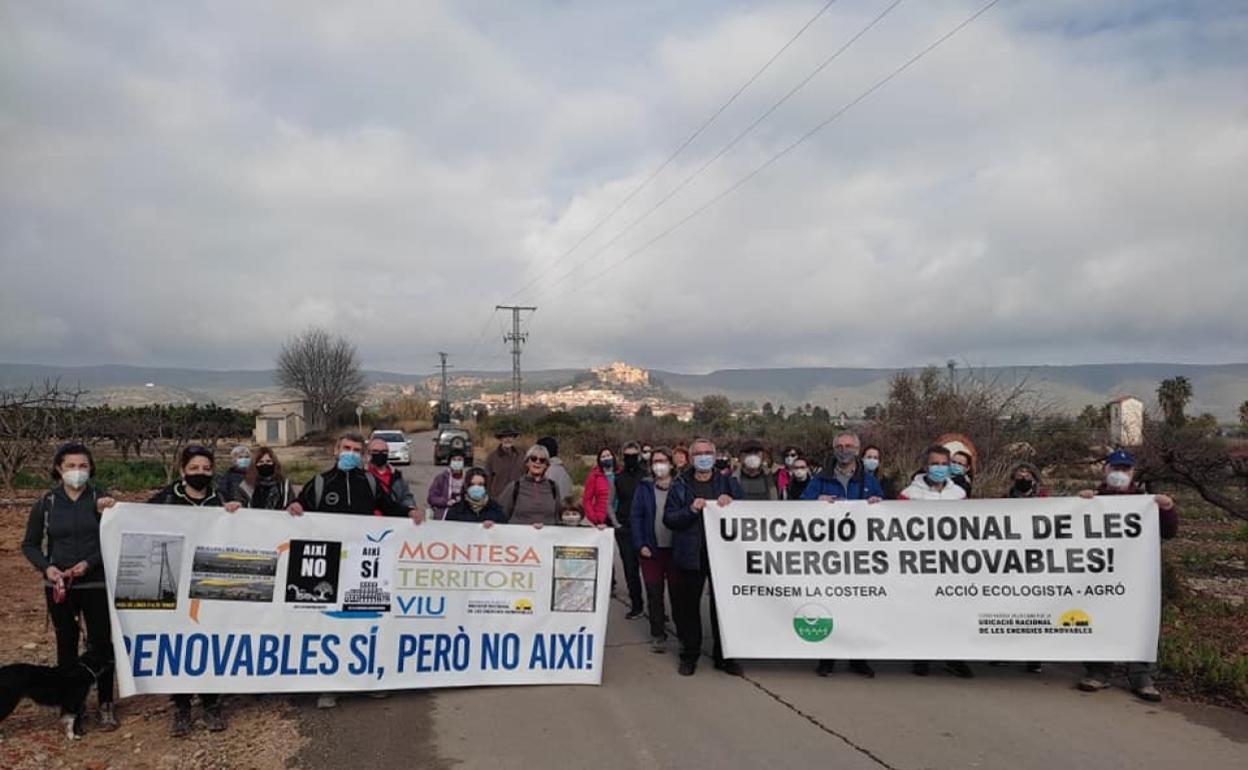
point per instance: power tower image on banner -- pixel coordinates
(148, 568)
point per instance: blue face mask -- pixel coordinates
(243, 462)
(871, 463)
(476, 492)
(349, 461)
(703, 462)
(957, 469)
(938, 473)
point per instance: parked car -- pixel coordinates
(400, 448)
(448, 439)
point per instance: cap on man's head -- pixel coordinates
(751, 445)
(550, 443)
(1120, 457)
(506, 432)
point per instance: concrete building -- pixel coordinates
(1126, 421)
(281, 423)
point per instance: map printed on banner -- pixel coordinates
(1015, 579)
(322, 602)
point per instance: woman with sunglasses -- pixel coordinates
(195, 488)
(532, 498)
(264, 485)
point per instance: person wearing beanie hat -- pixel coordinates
(557, 472)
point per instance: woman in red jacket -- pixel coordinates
(599, 496)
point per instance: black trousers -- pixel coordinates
(686, 592)
(92, 605)
(632, 569)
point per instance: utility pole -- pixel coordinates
(445, 404)
(515, 338)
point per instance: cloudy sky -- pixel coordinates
(186, 184)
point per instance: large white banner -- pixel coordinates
(258, 601)
(1040, 579)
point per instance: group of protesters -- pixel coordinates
(652, 497)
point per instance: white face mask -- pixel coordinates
(661, 470)
(457, 465)
(753, 462)
(76, 479)
(1118, 479)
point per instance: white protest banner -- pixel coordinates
(259, 601)
(1038, 579)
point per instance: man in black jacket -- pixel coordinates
(626, 482)
(348, 487)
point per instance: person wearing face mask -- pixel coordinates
(723, 464)
(844, 478)
(62, 542)
(647, 452)
(624, 485)
(505, 464)
(349, 488)
(476, 505)
(264, 485)
(934, 482)
(1025, 482)
(557, 472)
(598, 498)
(798, 479)
(871, 459)
(1119, 479)
(240, 461)
(783, 473)
(653, 541)
(756, 483)
(682, 514)
(195, 489)
(447, 487)
(389, 478)
(961, 469)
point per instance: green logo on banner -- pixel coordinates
(813, 623)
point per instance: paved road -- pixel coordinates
(778, 716)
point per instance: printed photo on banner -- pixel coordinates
(575, 585)
(312, 572)
(366, 582)
(233, 574)
(147, 573)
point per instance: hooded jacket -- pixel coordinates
(596, 498)
(919, 489)
(61, 532)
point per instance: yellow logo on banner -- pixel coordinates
(1074, 618)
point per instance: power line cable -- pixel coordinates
(796, 143)
(679, 149)
(734, 141)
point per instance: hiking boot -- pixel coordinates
(862, 668)
(920, 668)
(959, 669)
(1147, 692)
(730, 667)
(825, 667)
(214, 720)
(1034, 668)
(635, 612)
(108, 717)
(327, 701)
(181, 722)
(687, 667)
(1092, 684)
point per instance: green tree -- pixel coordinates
(1173, 395)
(711, 409)
(769, 411)
(1243, 415)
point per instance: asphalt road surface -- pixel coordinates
(779, 715)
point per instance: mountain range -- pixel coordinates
(1217, 388)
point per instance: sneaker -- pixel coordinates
(635, 612)
(181, 722)
(1092, 684)
(920, 668)
(862, 668)
(1034, 668)
(825, 667)
(658, 644)
(214, 720)
(687, 667)
(1147, 692)
(327, 701)
(730, 667)
(108, 717)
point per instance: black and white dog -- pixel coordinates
(51, 686)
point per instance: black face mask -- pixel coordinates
(199, 481)
(266, 471)
(606, 464)
(1024, 485)
(631, 462)
(379, 459)
(721, 464)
